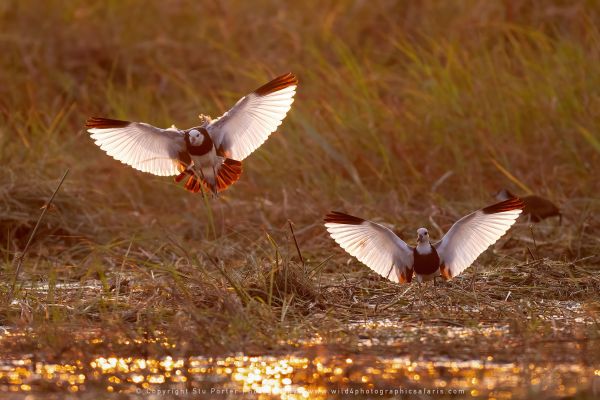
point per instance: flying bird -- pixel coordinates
(209, 155)
(536, 208)
(385, 253)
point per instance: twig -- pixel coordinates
(119, 277)
(296, 242)
(400, 298)
(534, 242)
(531, 254)
(21, 257)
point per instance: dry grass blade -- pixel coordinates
(510, 176)
(21, 257)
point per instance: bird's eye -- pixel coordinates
(426, 233)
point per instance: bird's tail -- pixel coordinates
(229, 172)
(215, 181)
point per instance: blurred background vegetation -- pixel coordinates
(393, 94)
(411, 111)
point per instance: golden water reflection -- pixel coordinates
(297, 377)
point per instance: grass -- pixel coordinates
(409, 113)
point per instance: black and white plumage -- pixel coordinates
(385, 253)
(210, 154)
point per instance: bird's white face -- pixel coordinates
(501, 195)
(422, 236)
(196, 138)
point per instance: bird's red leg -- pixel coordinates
(182, 175)
(215, 186)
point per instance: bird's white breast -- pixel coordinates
(208, 159)
(424, 248)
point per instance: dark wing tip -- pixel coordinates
(105, 123)
(281, 82)
(337, 217)
(506, 205)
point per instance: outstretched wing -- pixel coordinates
(372, 244)
(144, 147)
(472, 235)
(247, 125)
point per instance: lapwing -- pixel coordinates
(536, 208)
(385, 253)
(210, 154)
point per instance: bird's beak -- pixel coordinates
(419, 238)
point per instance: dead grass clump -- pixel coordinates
(545, 278)
(276, 284)
(219, 300)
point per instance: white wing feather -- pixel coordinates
(473, 234)
(142, 146)
(375, 246)
(248, 124)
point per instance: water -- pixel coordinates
(315, 370)
(389, 358)
(294, 377)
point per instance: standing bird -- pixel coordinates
(536, 208)
(209, 155)
(385, 253)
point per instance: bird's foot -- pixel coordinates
(205, 119)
